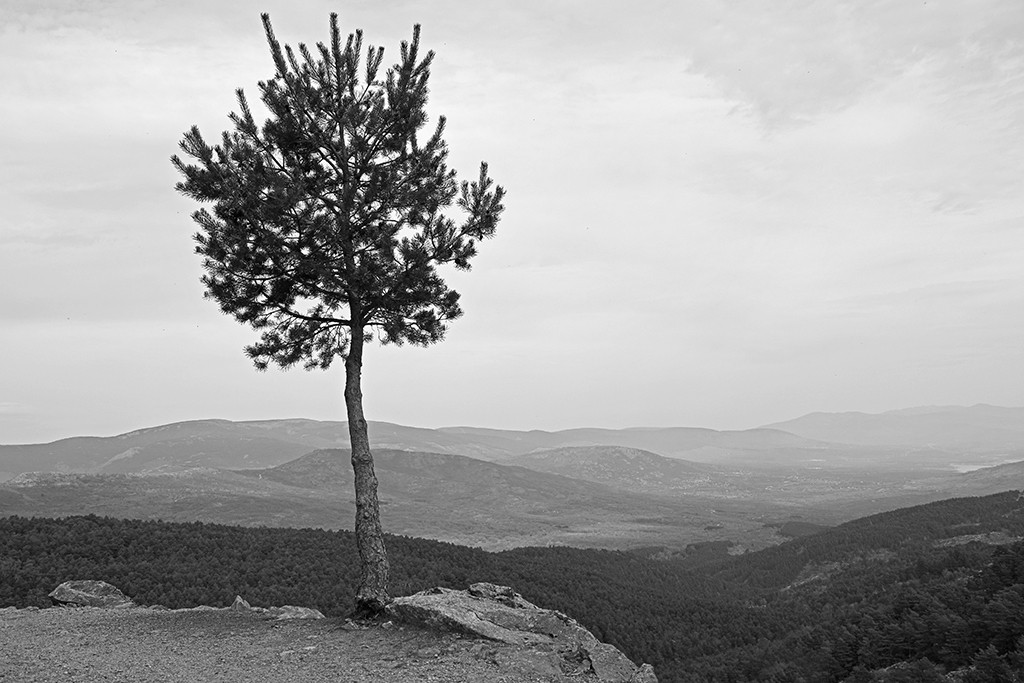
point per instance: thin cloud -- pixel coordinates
(793, 62)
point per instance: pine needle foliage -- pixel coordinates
(331, 218)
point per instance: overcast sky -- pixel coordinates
(720, 213)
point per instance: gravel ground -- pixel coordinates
(189, 646)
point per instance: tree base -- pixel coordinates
(370, 607)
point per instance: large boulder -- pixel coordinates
(89, 594)
(498, 613)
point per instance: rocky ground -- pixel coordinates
(89, 644)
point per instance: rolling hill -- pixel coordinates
(615, 497)
(430, 495)
(903, 442)
(223, 443)
(621, 467)
(500, 488)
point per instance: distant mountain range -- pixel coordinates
(977, 429)
(499, 488)
(222, 443)
(941, 438)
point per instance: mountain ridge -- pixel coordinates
(981, 428)
(265, 443)
(930, 437)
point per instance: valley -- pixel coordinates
(499, 489)
(428, 495)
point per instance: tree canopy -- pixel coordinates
(332, 216)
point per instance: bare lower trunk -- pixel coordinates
(372, 594)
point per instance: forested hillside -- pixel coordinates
(626, 600)
(905, 596)
(902, 596)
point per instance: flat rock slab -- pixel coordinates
(89, 594)
(498, 613)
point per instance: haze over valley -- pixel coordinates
(496, 489)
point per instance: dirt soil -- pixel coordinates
(184, 646)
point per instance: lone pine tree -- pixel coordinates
(329, 223)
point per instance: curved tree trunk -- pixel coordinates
(372, 594)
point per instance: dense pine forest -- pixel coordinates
(911, 595)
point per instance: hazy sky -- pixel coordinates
(720, 213)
